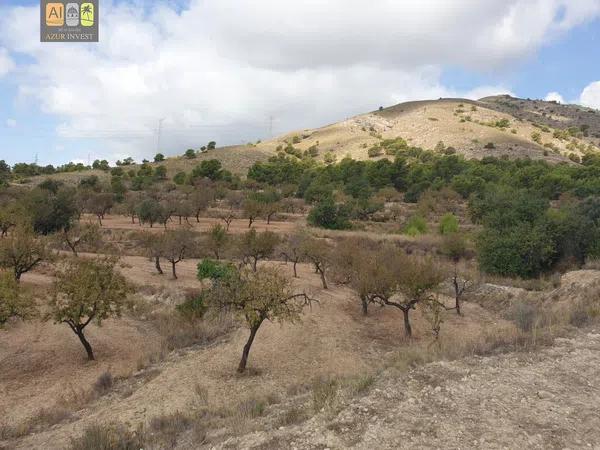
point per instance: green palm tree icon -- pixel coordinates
(86, 11)
(87, 14)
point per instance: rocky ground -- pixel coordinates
(549, 399)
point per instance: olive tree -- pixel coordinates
(22, 250)
(258, 296)
(86, 291)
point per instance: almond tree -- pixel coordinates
(415, 278)
(363, 266)
(256, 246)
(152, 245)
(319, 253)
(81, 234)
(455, 248)
(258, 296)
(200, 200)
(252, 210)
(22, 250)
(217, 240)
(292, 249)
(175, 245)
(13, 301)
(86, 291)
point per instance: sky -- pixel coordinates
(235, 71)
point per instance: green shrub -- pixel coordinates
(374, 151)
(179, 178)
(415, 226)
(448, 224)
(214, 270)
(194, 307)
(326, 214)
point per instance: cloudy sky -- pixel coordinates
(221, 69)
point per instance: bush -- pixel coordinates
(214, 270)
(325, 393)
(415, 226)
(107, 437)
(179, 178)
(190, 153)
(326, 214)
(194, 307)
(489, 145)
(374, 152)
(448, 224)
(525, 315)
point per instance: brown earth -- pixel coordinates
(543, 400)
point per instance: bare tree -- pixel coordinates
(357, 263)
(415, 278)
(200, 200)
(256, 297)
(292, 249)
(152, 243)
(252, 210)
(100, 204)
(175, 245)
(81, 234)
(319, 253)
(455, 248)
(255, 246)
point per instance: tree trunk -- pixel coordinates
(86, 345)
(457, 294)
(173, 269)
(132, 219)
(250, 220)
(157, 264)
(295, 272)
(18, 274)
(365, 305)
(100, 220)
(198, 217)
(268, 219)
(254, 263)
(407, 327)
(246, 351)
(323, 280)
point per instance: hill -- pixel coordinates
(492, 126)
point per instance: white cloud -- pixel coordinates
(219, 68)
(11, 123)
(590, 96)
(554, 97)
(6, 63)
